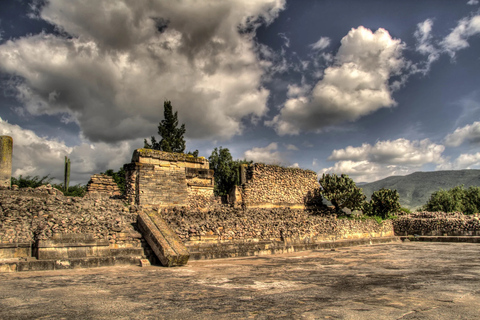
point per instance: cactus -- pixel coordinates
(67, 174)
(342, 192)
(384, 202)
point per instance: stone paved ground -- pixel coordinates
(408, 280)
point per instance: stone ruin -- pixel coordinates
(163, 179)
(6, 148)
(169, 214)
(103, 185)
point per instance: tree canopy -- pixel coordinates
(171, 134)
(226, 170)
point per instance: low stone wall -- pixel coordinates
(103, 185)
(437, 224)
(282, 224)
(269, 186)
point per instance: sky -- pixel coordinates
(369, 88)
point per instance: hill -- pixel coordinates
(415, 189)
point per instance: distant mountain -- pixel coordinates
(415, 189)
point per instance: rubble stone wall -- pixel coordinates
(157, 178)
(257, 224)
(29, 215)
(437, 224)
(269, 186)
(102, 184)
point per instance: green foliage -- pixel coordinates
(172, 137)
(73, 191)
(456, 199)
(118, 177)
(384, 202)
(405, 210)
(31, 182)
(446, 200)
(194, 153)
(342, 192)
(226, 170)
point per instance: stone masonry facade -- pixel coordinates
(163, 179)
(270, 186)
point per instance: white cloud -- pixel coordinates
(355, 85)
(268, 154)
(463, 161)
(391, 157)
(457, 39)
(400, 151)
(470, 133)
(120, 60)
(292, 147)
(472, 2)
(321, 44)
(34, 155)
(425, 43)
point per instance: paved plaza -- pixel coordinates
(410, 280)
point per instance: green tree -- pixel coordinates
(226, 170)
(384, 202)
(222, 163)
(447, 200)
(472, 200)
(172, 136)
(342, 192)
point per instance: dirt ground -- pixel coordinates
(410, 280)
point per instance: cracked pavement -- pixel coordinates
(410, 280)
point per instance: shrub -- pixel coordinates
(384, 202)
(447, 200)
(342, 192)
(73, 191)
(31, 182)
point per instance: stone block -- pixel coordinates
(163, 241)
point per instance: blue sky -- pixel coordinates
(366, 88)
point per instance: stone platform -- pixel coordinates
(401, 280)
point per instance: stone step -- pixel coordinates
(164, 241)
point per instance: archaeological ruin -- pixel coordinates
(169, 214)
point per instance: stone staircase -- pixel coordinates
(163, 241)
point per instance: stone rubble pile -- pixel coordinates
(264, 224)
(36, 214)
(103, 185)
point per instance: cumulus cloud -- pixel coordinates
(469, 133)
(34, 155)
(463, 161)
(268, 154)
(385, 158)
(472, 2)
(457, 39)
(356, 84)
(321, 44)
(116, 62)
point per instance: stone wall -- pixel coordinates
(101, 184)
(437, 224)
(29, 215)
(258, 224)
(157, 178)
(269, 186)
